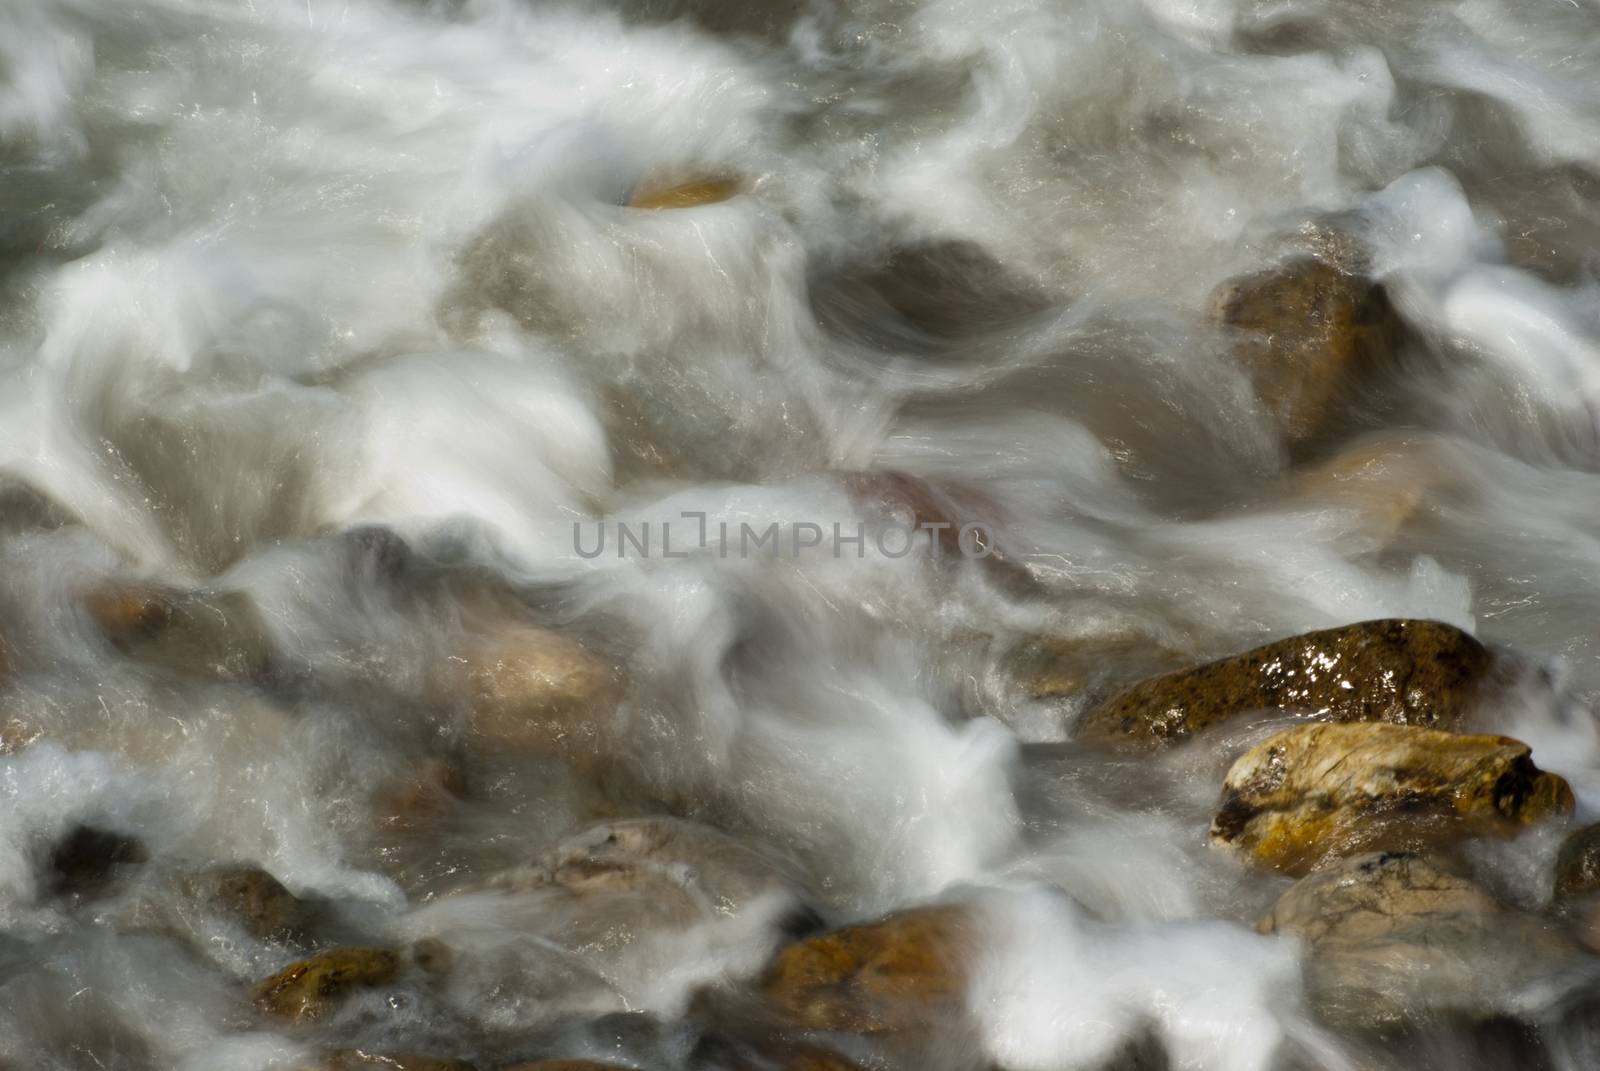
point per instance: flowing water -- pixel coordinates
(332, 317)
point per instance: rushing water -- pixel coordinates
(335, 312)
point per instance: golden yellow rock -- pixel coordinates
(1310, 330)
(898, 974)
(307, 990)
(706, 191)
(1316, 792)
(538, 690)
(199, 634)
(1401, 671)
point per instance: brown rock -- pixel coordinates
(1388, 479)
(1055, 667)
(1578, 864)
(898, 974)
(534, 689)
(1315, 792)
(362, 1060)
(196, 634)
(87, 860)
(23, 506)
(654, 195)
(1398, 671)
(923, 293)
(681, 869)
(307, 990)
(1310, 332)
(1392, 937)
(257, 901)
(566, 1065)
(428, 789)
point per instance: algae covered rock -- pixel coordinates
(1399, 671)
(900, 973)
(1310, 331)
(1393, 937)
(1315, 792)
(311, 988)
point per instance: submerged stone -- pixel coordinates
(692, 194)
(1578, 864)
(197, 634)
(1315, 792)
(364, 1060)
(1399, 671)
(257, 901)
(900, 973)
(1310, 332)
(925, 293)
(86, 861)
(311, 988)
(1396, 938)
(534, 689)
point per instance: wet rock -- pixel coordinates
(679, 867)
(598, 913)
(311, 988)
(655, 195)
(901, 973)
(195, 634)
(432, 956)
(257, 901)
(1389, 481)
(364, 1060)
(1394, 937)
(536, 690)
(1315, 792)
(1578, 864)
(762, 18)
(1398, 671)
(1311, 332)
(923, 295)
(567, 1065)
(23, 507)
(86, 862)
(1057, 667)
(427, 790)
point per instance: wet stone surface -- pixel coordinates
(1315, 792)
(1422, 673)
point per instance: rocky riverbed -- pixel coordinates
(832, 535)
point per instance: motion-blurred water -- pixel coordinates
(279, 278)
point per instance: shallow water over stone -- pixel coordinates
(684, 535)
